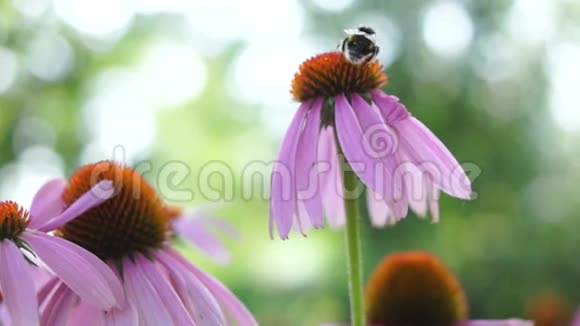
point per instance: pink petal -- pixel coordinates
(429, 153)
(228, 300)
(198, 300)
(283, 188)
(86, 314)
(94, 197)
(165, 291)
(332, 191)
(376, 173)
(380, 142)
(122, 317)
(576, 321)
(47, 203)
(306, 180)
(82, 272)
(4, 316)
(390, 107)
(378, 209)
(17, 285)
(197, 232)
(46, 290)
(302, 218)
(507, 322)
(203, 214)
(142, 294)
(59, 307)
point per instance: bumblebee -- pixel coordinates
(359, 46)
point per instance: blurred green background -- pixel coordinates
(204, 85)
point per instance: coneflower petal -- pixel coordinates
(58, 309)
(150, 308)
(331, 187)
(47, 203)
(283, 187)
(369, 169)
(201, 304)
(507, 322)
(228, 300)
(390, 107)
(425, 148)
(306, 180)
(97, 195)
(378, 209)
(122, 317)
(17, 286)
(196, 231)
(75, 267)
(103, 270)
(166, 293)
(380, 143)
(86, 314)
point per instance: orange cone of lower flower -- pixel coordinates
(414, 288)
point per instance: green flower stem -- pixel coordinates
(353, 242)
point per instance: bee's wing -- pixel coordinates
(351, 31)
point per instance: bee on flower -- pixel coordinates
(346, 121)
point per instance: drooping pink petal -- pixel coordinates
(423, 147)
(205, 215)
(426, 150)
(86, 314)
(351, 138)
(142, 294)
(283, 187)
(378, 209)
(59, 307)
(332, 192)
(197, 232)
(506, 322)
(380, 142)
(122, 317)
(168, 297)
(97, 195)
(390, 107)
(44, 291)
(77, 268)
(198, 300)
(228, 300)
(306, 179)
(302, 221)
(47, 203)
(40, 276)
(4, 316)
(416, 186)
(17, 286)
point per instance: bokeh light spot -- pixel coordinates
(447, 28)
(8, 69)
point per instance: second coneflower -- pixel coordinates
(130, 232)
(348, 130)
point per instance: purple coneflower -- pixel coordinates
(415, 288)
(130, 232)
(24, 240)
(343, 111)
